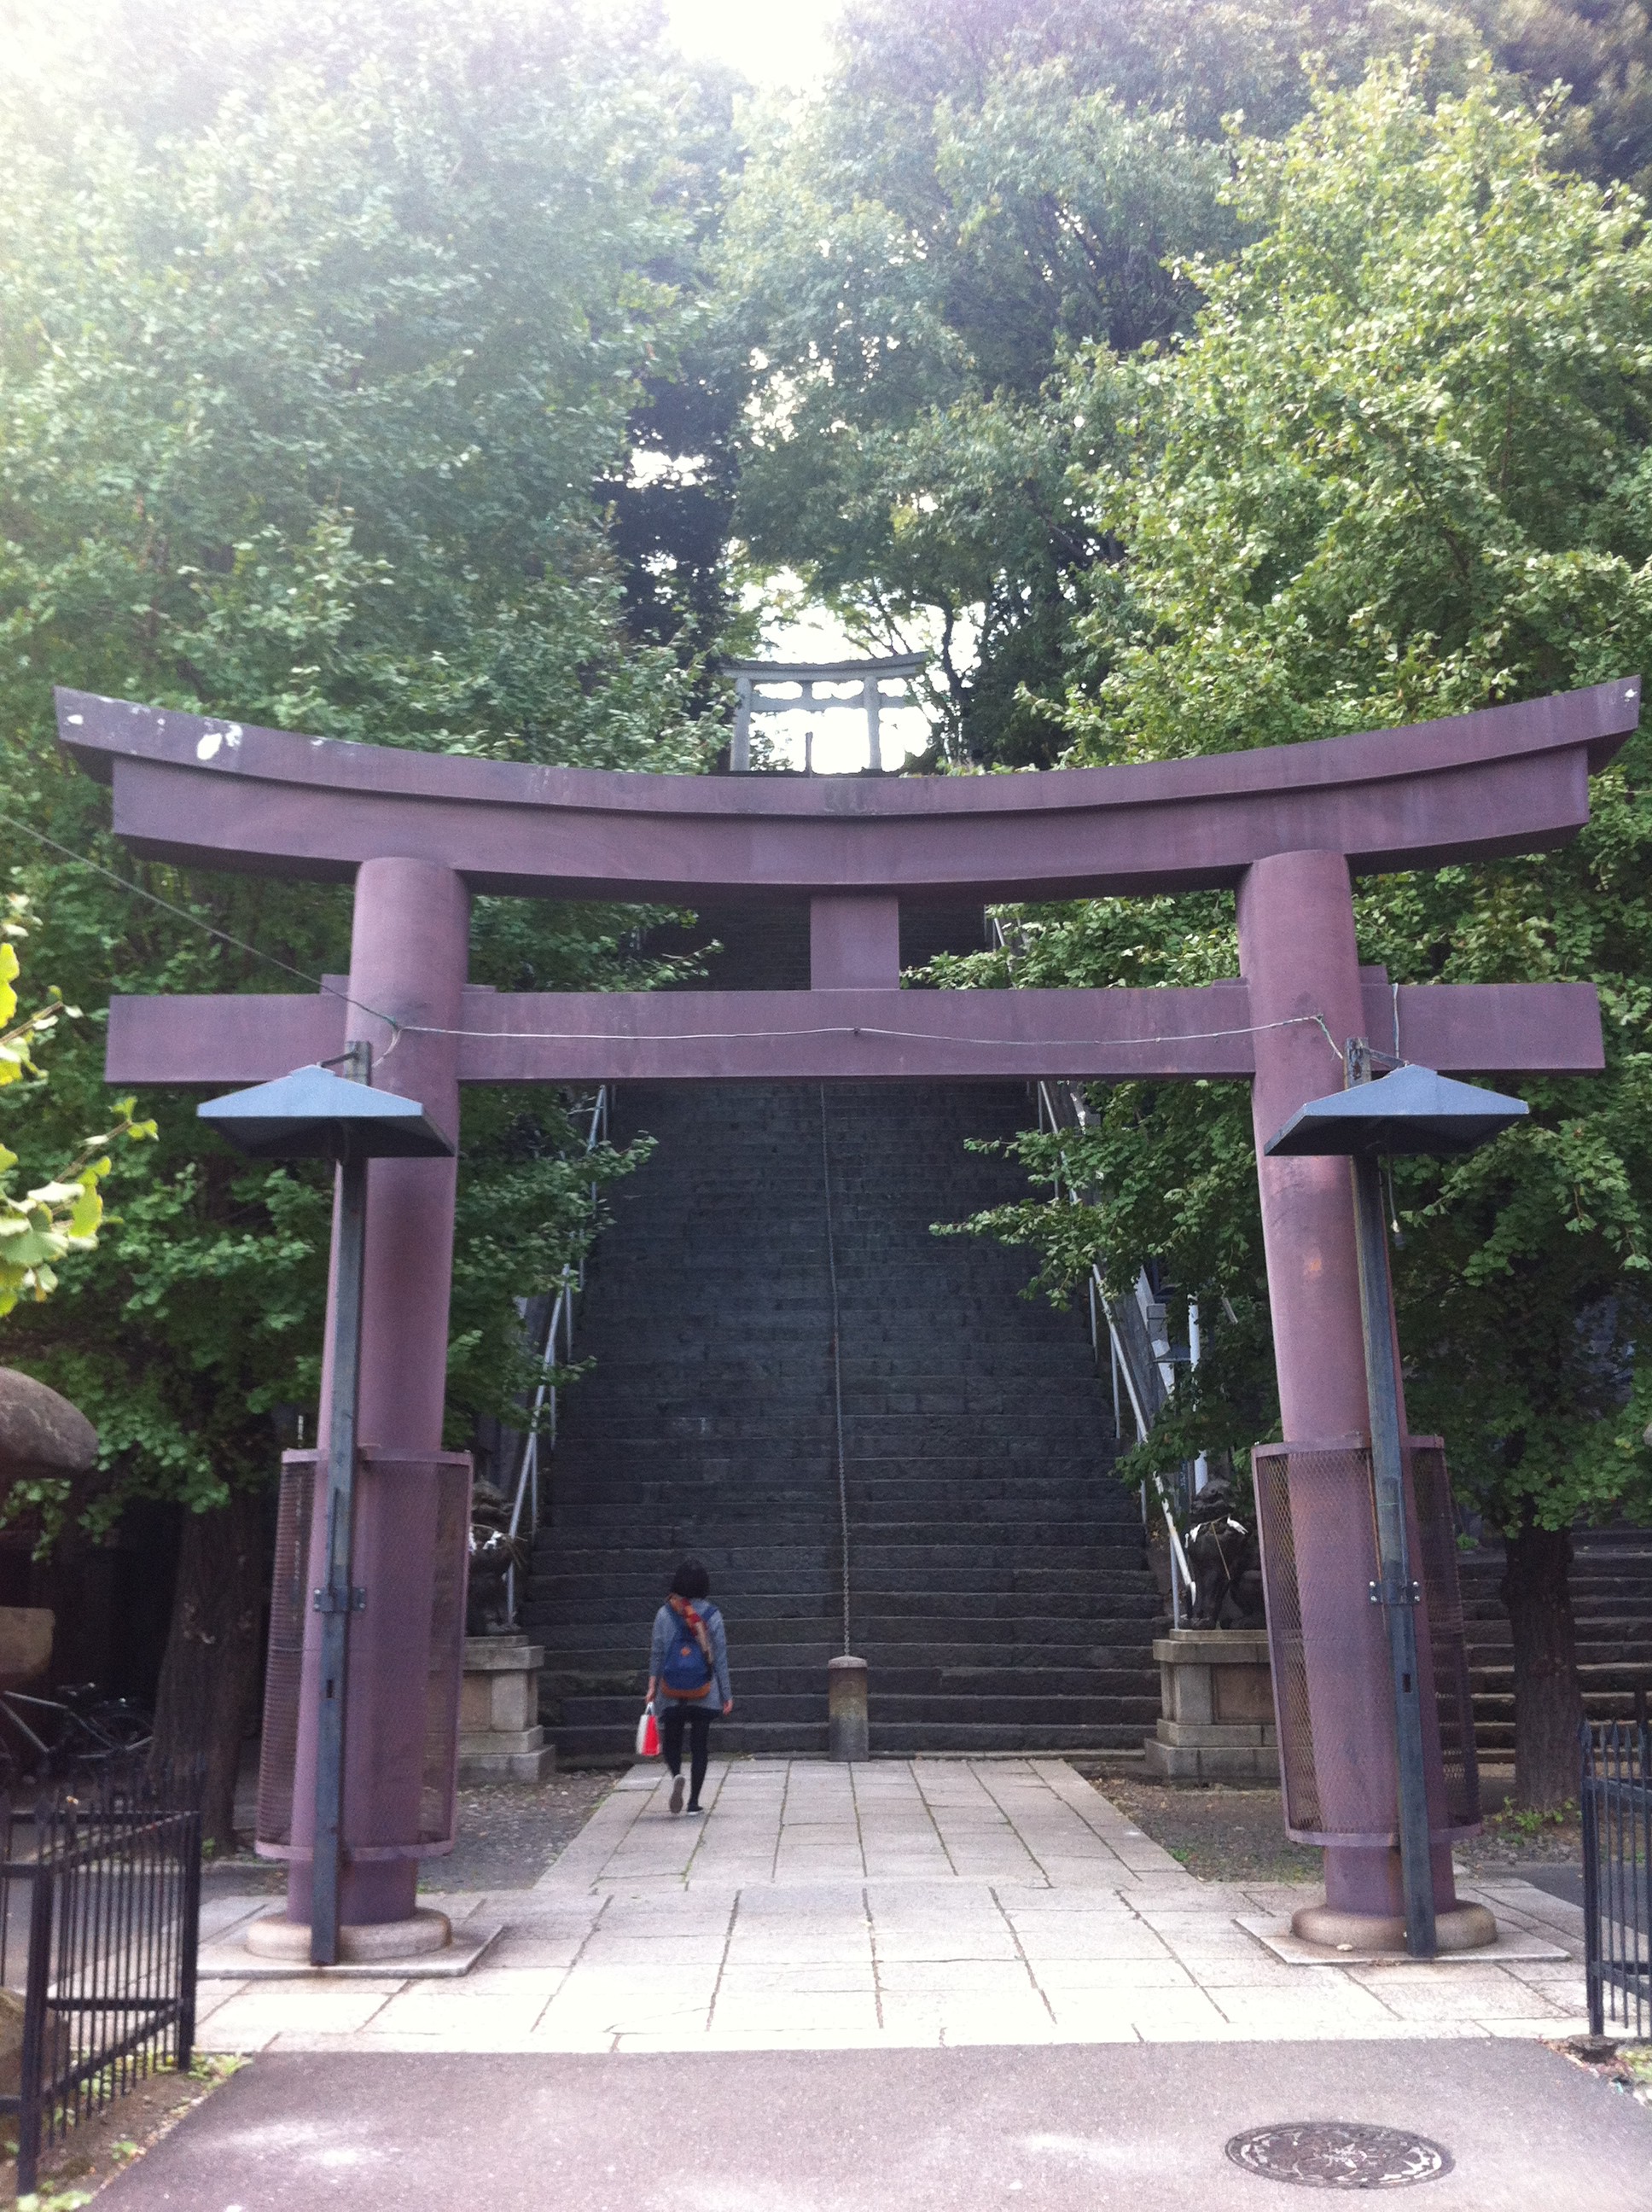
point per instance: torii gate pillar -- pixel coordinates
(408, 951)
(1297, 953)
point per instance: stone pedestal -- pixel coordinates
(500, 1738)
(277, 1937)
(1217, 1708)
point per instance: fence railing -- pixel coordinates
(99, 1914)
(1617, 1805)
(558, 1346)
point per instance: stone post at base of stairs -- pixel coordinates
(1217, 1723)
(847, 1723)
(500, 1738)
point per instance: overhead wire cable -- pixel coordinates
(211, 929)
(857, 1028)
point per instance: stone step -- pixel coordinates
(1034, 1682)
(758, 1628)
(561, 1598)
(1057, 1714)
(893, 1661)
(997, 1493)
(596, 1746)
(588, 1471)
(1611, 1587)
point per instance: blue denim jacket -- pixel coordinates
(667, 1626)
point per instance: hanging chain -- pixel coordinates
(837, 1365)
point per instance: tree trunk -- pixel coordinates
(1548, 1695)
(210, 1669)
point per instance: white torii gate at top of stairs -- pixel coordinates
(870, 675)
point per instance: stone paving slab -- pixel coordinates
(898, 1905)
(1275, 1936)
(224, 1957)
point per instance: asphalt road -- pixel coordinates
(1065, 2128)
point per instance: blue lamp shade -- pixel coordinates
(311, 1114)
(1412, 1110)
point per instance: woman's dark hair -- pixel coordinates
(691, 1580)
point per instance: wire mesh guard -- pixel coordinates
(1435, 1539)
(1617, 1804)
(100, 1885)
(403, 1685)
(1336, 1750)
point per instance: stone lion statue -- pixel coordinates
(494, 1553)
(1225, 1560)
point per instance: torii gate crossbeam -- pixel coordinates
(419, 835)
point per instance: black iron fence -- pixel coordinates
(100, 1912)
(1617, 1802)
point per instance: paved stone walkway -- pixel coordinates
(898, 1904)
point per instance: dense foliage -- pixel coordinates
(322, 332)
(54, 1220)
(984, 188)
(1401, 469)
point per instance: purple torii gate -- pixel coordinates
(1287, 828)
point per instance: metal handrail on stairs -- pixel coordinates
(525, 1505)
(1136, 1354)
(1135, 1350)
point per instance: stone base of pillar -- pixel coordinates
(500, 1738)
(847, 1729)
(1217, 1697)
(1463, 1928)
(388, 1940)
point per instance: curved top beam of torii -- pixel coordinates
(213, 794)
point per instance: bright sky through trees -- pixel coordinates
(784, 48)
(771, 44)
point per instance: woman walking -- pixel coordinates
(687, 1676)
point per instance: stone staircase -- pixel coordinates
(998, 1585)
(1612, 1604)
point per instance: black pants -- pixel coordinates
(674, 1717)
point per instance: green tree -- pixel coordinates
(904, 302)
(981, 189)
(1601, 52)
(43, 1226)
(1401, 469)
(322, 331)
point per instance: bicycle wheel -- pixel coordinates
(116, 1724)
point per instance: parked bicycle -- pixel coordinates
(80, 1727)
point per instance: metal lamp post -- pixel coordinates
(1412, 1110)
(311, 1114)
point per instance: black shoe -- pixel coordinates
(694, 1807)
(676, 1796)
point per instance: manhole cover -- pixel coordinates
(1340, 2154)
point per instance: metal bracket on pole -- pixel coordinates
(339, 1597)
(1394, 1589)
